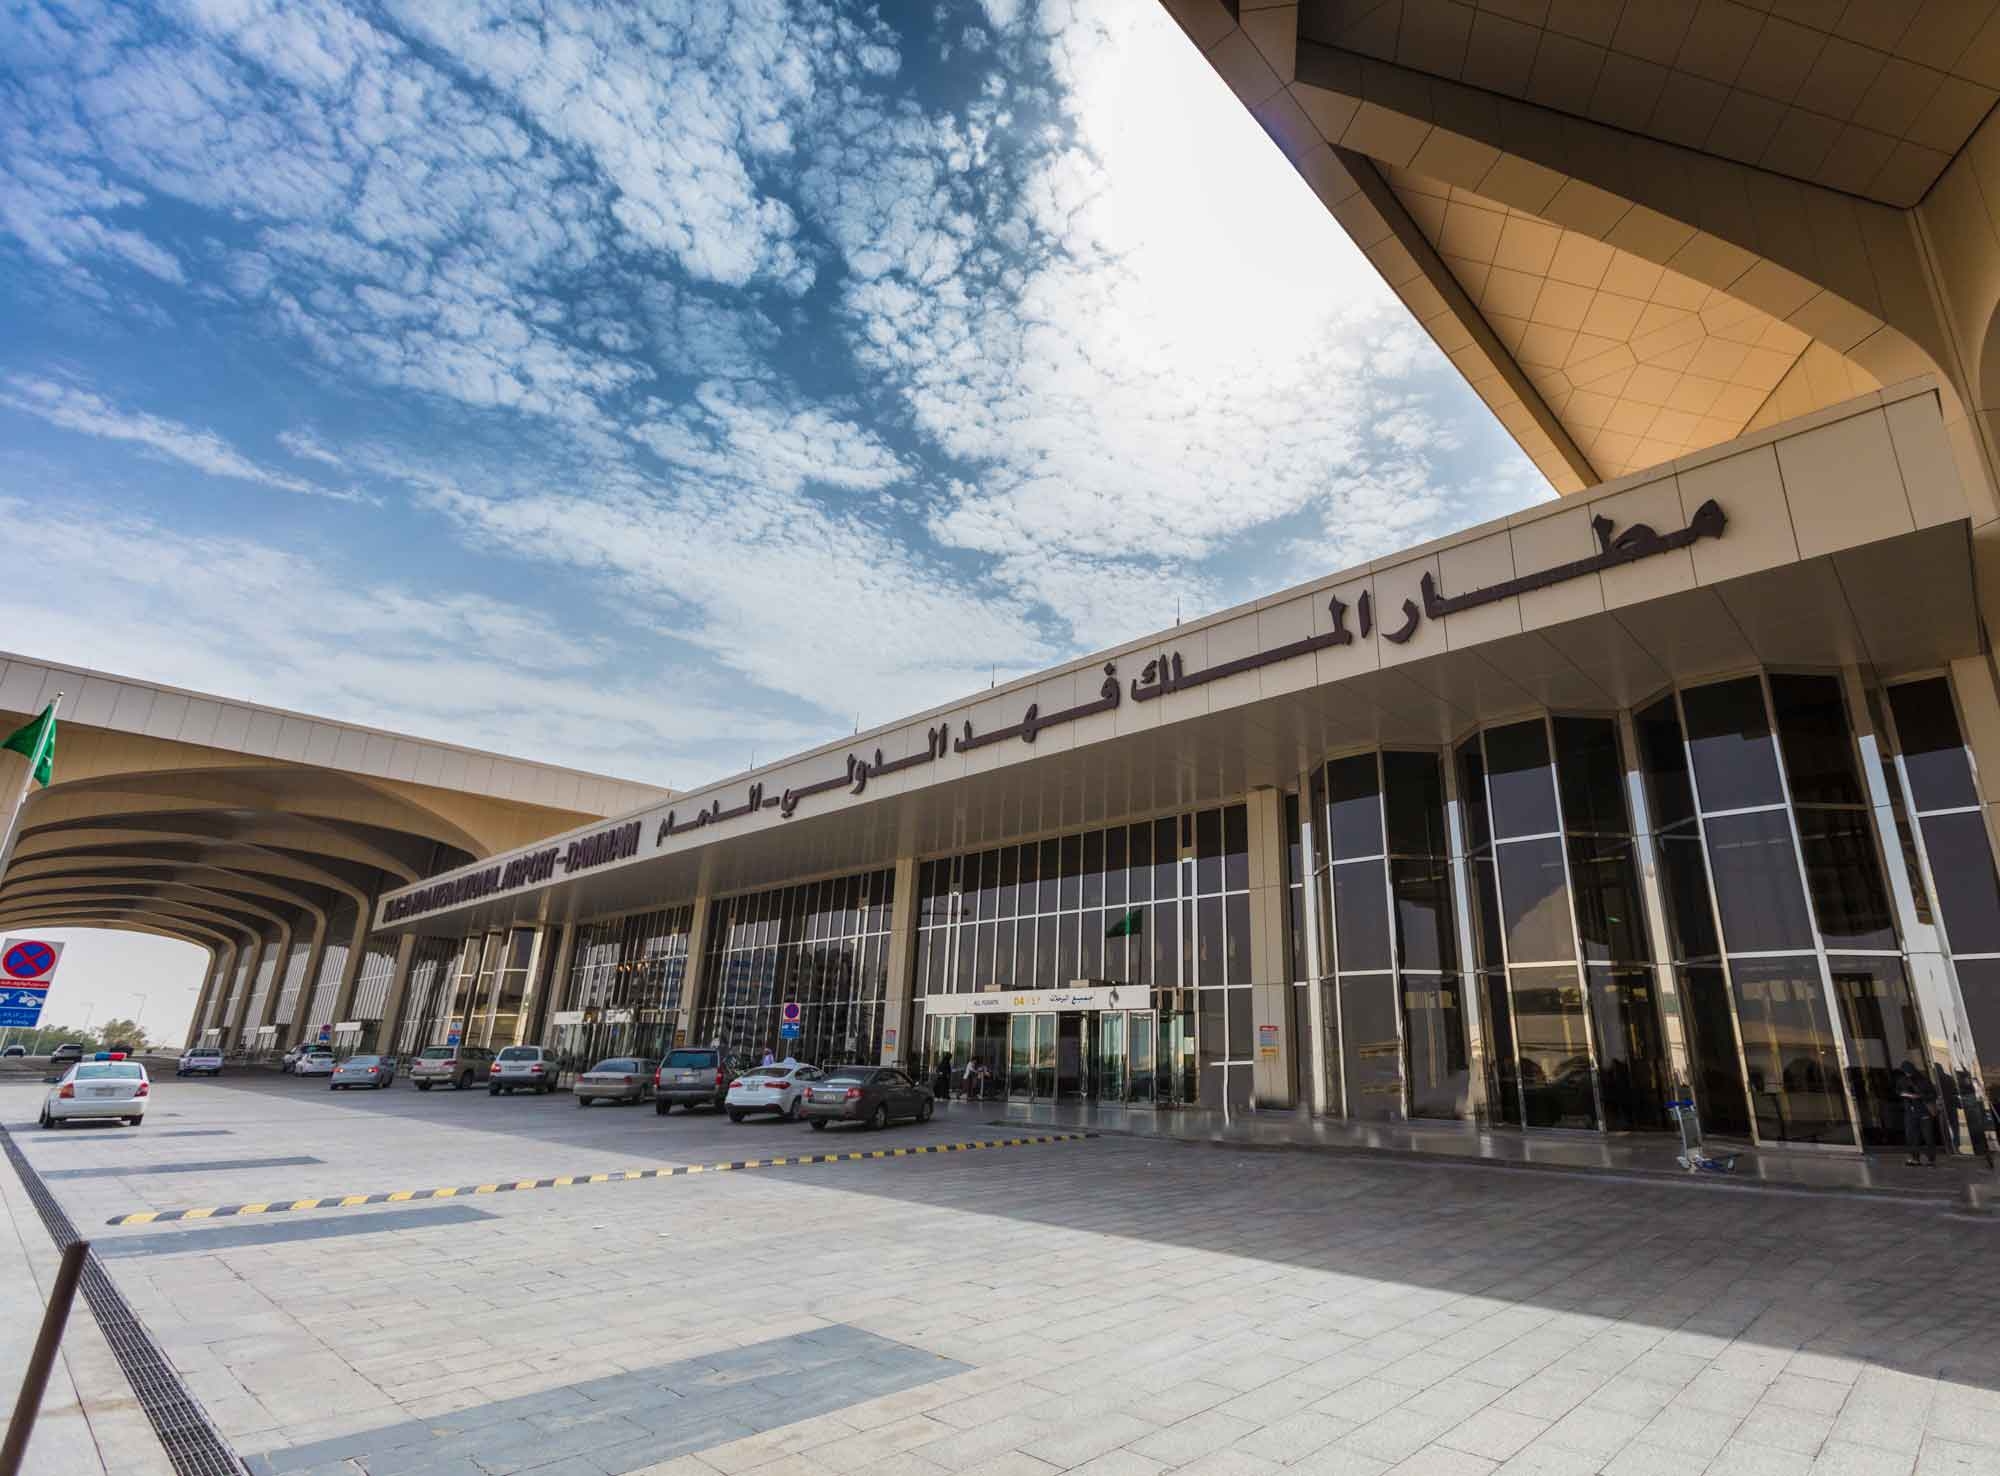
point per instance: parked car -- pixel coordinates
(304, 1048)
(457, 1067)
(68, 1052)
(199, 1061)
(524, 1067)
(314, 1063)
(120, 1048)
(777, 1089)
(870, 1094)
(96, 1090)
(620, 1079)
(363, 1071)
(13, 1052)
(694, 1076)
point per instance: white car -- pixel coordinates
(95, 1090)
(200, 1061)
(776, 1089)
(314, 1063)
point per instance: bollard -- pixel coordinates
(15, 1448)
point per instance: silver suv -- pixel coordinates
(530, 1068)
(694, 1076)
(457, 1067)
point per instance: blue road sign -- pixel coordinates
(789, 1030)
(11, 1015)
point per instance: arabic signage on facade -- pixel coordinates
(1161, 676)
(1083, 995)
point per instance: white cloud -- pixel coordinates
(307, 446)
(76, 409)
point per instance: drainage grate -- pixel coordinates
(192, 1442)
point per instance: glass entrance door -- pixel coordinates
(1069, 1057)
(1111, 1057)
(1045, 1056)
(1141, 1033)
(1020, 1055)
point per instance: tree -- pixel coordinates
(123, 1032)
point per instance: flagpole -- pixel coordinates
(27, 783)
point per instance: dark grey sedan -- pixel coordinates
(870, 1094)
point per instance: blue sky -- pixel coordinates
(655, 394)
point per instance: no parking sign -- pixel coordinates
(27, 969)
(788, 1021)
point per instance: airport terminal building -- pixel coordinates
(1670, 782)
(1674, 785)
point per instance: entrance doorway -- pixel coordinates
(1107, 1056)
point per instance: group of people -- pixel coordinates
(972, 1080)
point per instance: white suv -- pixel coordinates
(522, 1068)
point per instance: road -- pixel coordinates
(1111, 1306)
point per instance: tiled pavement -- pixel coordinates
(1118, 1307)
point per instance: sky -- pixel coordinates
(659, 390)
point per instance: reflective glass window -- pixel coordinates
(1844, 876)
(1486, 920)
(1242, 1027)
(1503, 1082)
(1010, 877)
(1757, 883)
(1968, 894)
(1709, 1017)
(1050, 867)
(1166, 860)
(1932, 748)
(1818, 743)
(1093, 869)
(1212, 1029)
(1788, 1051)
(1591, 775)
(1879, 1014)
(1373, 1051)
(1608, 915)
(1354, 821)
(1434, 1028)
(1114, 866)
(1534, 901)
(1235, 848)
(1361, 915)
(1208, 852)
(1519, 781)
(1684, 881)
(1735, 764)
(1413, 796)
(1665, 763)
(1554, 1049)
(1236, 929)
(1979, 987)
(1631, 1056)
(1425, 933)
(1071, 892)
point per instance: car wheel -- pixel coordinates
(493, 1091)
(734, 1115)
(463, 1082)
(880, 1118)
(139, 1121)
(661, 1109)
(791, 1111)
(46, 1120)
(423, 1086)
(819, 1124)
(583, 1101)
(924, 1112)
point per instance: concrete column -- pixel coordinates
(1270, 978)
(198, 1021)
(896, 1043)
(290, 1035)
(697, 954)
(392, 1003)
(253, 1028)
(551, 967)
(1324, 1099)
(357, 951)
(556, 995)
(212, 1006)
(239, 1007)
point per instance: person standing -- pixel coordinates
(1920, 1105)
(941, 1078)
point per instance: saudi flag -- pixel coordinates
(37, 744)
(1128, 925)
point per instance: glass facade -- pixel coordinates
(623, 995)
(426, 995)
(1162, 906)
(823, 945)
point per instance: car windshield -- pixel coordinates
(364, 1060)
(691, 1058)
(520, 1053)
(617, 1067)
(101, 1070)
(438, 1053)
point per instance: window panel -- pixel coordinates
(1114, 866)
(1208, 853)
(1788, 1051)
(1818, 743)
(1354, 822)
(1631, 1055)
(1609, 918)
(1684, 881)
(1503, 1077)
(1591, 774)
(1534, 901)
(1844, 878)
(1373, 1052)
(1426, 934)
(1242, 1027)
(1235, 848)
(1472, 794)
(1554, 1049)
(1968, 894)
(1072, 872)
(1735, 763)
(1757, 883)
(1236, 932)
(1979, 987)
(1208, 943)
(1520, 781)
(1361, 915)
(1413, 799)
(1440, 1068)
(1093, 869)
(1878, 1012)
(1933, 749)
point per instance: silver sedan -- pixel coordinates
(363, 1071)
(620, 1079)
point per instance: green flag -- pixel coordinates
(37, 744)
(1128, 925)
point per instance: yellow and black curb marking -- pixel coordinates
(566, 1181)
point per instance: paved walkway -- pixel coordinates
(90, 1420)
(1639, 1155)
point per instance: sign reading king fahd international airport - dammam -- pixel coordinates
(1162, 676)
